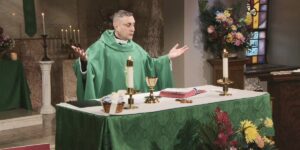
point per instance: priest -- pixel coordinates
(101, 69)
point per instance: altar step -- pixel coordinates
(39, 129)
(19, 118)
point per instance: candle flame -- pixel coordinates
(62, 30)
(225, 51)
(43, 14)
(70, 26)
(129, 58)
(66, 30)
(78, 30)
(74, 30)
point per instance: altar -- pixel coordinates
(165, 125)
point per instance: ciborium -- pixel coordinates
(151, 82)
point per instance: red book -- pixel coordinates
(180, 92)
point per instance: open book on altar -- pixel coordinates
(180, 92)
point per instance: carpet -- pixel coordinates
(31, 147)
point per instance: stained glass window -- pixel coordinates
(258, 10)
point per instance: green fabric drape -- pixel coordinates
(162, 130)
(14, 90)
(29, 17)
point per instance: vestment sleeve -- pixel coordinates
(160, 67)
(89, 83)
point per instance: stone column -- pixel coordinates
(47, 108)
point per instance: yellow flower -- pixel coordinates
(248, 19)
(233, 27)
(268, 141)
(229, 20)
(227, 13)
(250, 131)
(268, 123)
(251, 134)
(229, 38)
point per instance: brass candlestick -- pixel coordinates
(151, 82)
(225, 82)
(130, 92)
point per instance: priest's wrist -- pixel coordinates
(170, 56)
(82, 58)
(83, 65)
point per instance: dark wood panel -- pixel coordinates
(286, 110)
(236, 71)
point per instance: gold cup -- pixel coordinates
(151, 82)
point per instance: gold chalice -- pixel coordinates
(151, 82)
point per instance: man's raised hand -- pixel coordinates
(82, 54)
(175, 51)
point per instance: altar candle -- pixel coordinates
(225, 63)
(74, 35)
(62, 36)
(67, 40)
(78, 36)
(43, 23)
(70, 31)
(129, 69)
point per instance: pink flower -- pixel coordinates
(211, 29)
(260, 142)
(237, 43)
(221, 17)
(222, 139)
(221, 117)
(240, 36)
(230, 21)
(234, 143)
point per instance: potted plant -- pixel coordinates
(6, 44)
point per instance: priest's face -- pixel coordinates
(124, 27)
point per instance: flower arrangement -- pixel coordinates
(222, 28)
(6, 43)
(247, 136)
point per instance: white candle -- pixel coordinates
(43, 23)
(74, 35)
(67, 40)
(129, 65)
(78, 36)
(62, 36)
(70, 31)
(225, 64)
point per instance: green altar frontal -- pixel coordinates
(166, 129)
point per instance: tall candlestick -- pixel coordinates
(67, 40)
(225, 63)
(62, 36)
(43, 23)
(129, 66)
(74, 35)
(70, 32)
(78, 36)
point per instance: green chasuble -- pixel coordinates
(106, 68)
